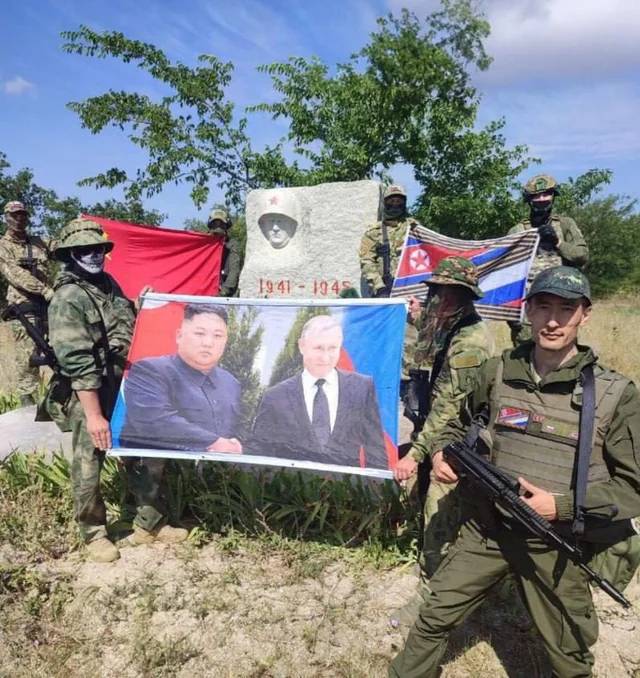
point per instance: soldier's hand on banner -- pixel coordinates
(442, 472)
(539, 500)
(227, 445)
(99, 430)
(415, 306)
(138, 302)
(405, 468)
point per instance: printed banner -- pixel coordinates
(303, 383)
(175, 262)
(503, 265)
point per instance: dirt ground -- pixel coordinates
(246, 608)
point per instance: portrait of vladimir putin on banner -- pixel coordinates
(322, 414)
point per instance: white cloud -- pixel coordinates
(571, 126)
(17, 86)
(554, 38)
(551, 39)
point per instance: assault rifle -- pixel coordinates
(42, 353)
(504, 492)
(383, 250)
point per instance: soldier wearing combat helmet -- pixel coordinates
(219, 224)
(24, 263)
(453, 343)
(561, 241)
(90, 329)
(382, 242)
(538, 401)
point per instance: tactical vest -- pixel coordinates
(535, 433)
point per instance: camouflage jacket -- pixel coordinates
(469, 349)
(231, 266)
(371, 263)
(75, 329)
(23, 284)
(571, 249)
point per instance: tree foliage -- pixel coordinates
(405, 98)
(239, 357)
(289, 361)
(49, 212)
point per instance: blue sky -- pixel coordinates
(565, 77)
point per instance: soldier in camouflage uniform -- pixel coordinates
(386, 236)
(531, 397)
(219, 224)
(453, 343)
(24, 262)
(90, 328)
(384, 240)
(561, 241)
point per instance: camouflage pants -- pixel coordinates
(556, 594)
(442, 518)
(27, 377)
(144, 476)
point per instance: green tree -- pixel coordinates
(289, 361)
(406, 97)
(245, 339)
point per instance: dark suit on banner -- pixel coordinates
(283, 427)
(170, 405)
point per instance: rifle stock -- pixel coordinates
(503, 490)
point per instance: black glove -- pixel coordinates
(548, 234)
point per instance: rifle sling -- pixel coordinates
(441, 356)
(585, 442)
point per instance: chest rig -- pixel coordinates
(535, 430)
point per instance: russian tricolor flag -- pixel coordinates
(503, 265)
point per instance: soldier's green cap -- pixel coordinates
(562, 281)
(218, 214)
(14, 206)
(81, 233)
(456, 271)
(394, 189)
(541, 183)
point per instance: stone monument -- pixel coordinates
(303, 242)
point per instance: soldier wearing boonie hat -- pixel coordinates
(453, 343)
(90, 329)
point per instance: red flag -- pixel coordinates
(175, 262)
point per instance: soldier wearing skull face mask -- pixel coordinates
(561, 242)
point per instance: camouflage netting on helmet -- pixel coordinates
(81, 233)
(456, 271)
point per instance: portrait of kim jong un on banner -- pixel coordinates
(286, 383)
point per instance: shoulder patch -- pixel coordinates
(466, 359)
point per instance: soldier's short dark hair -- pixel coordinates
(191, 310)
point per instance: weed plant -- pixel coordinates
(214, 499)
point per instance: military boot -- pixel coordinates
(165, 534)
(102, 551)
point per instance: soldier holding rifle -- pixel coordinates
(567, 431)
(24, 264)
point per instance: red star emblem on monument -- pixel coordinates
(273, 200)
